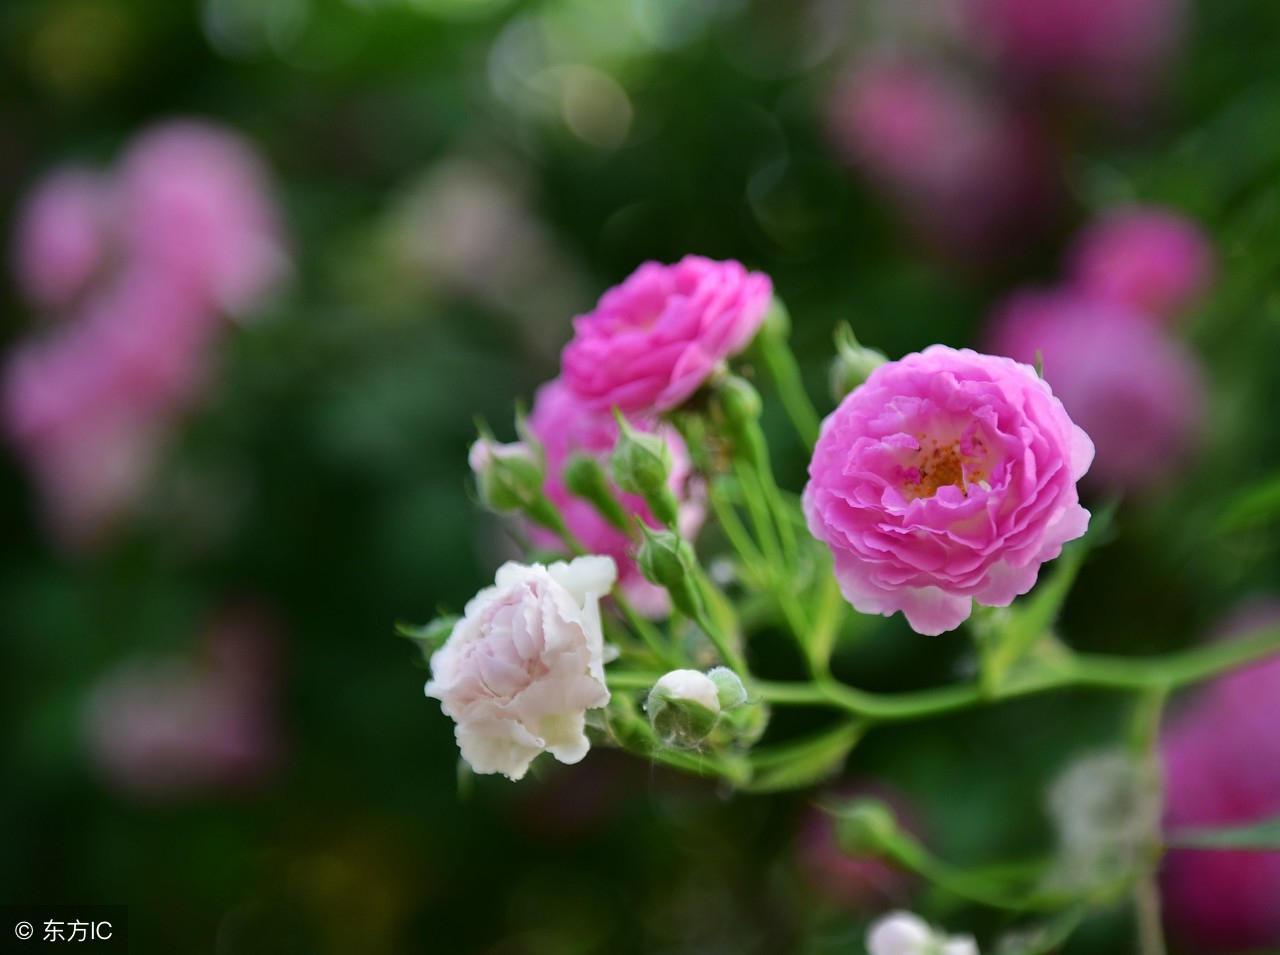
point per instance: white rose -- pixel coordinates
(525, 663)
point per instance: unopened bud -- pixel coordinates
(641, 464)
(777, 321)
(666, 559)
(584, 477)
(853, 364)
(683, 708)
(729, 687)
(508, 476)
(740, 406)
(864, 827)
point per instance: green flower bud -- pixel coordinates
(584, 476)
(641, 464)
(777, 321)
(739, 406)
(853, 363)
(683, 708)
(666, 559)
(864, 827)
(508, 476)
(728, 686)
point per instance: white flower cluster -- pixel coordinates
(902, 933)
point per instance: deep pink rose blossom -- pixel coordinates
(947, 477)
(1148, 259)
(563, 426)
(651, 341)
(1130, 385)
(1222, 769)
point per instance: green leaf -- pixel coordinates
(804, 762)
(1258, 505)
(1257, 837)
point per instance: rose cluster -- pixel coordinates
(945, 478)
(134, 271)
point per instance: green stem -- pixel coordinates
(748, 554)
(785, 372)
(1097, 672)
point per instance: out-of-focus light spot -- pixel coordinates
(80, 47)
(670, 24)
(456, 9)
(244, 28)
(592, 104)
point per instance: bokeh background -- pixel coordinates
(204, 712)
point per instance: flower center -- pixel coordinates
(961, 462)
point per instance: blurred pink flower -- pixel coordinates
(863, 884)
(64, 236)
(564, 426)
(142, 265)
(196, 208)
(967, 170)
(653, 340)
(1222, 768)
(1132, 387)
(178, 728)
(947, 477)
(1146, 258)
(1114, 50)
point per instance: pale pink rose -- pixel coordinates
(563, 425)
(653, 340)
(178, 728)
(1116, 50)
(525, 663)
(64, 236)
(964, 167)
(1151, 260)
(1222, 768)
(195, 203)
(1132, 387)
(947, 477)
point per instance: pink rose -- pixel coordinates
(563, 426)
(651, 341)
(196, 207)
(525, 663)
(1115, 49)
(63, 237)
(171, 728)
(1148, 259)
(1133, 388)
(966, 169)
(1222, 768)
(947, 477)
